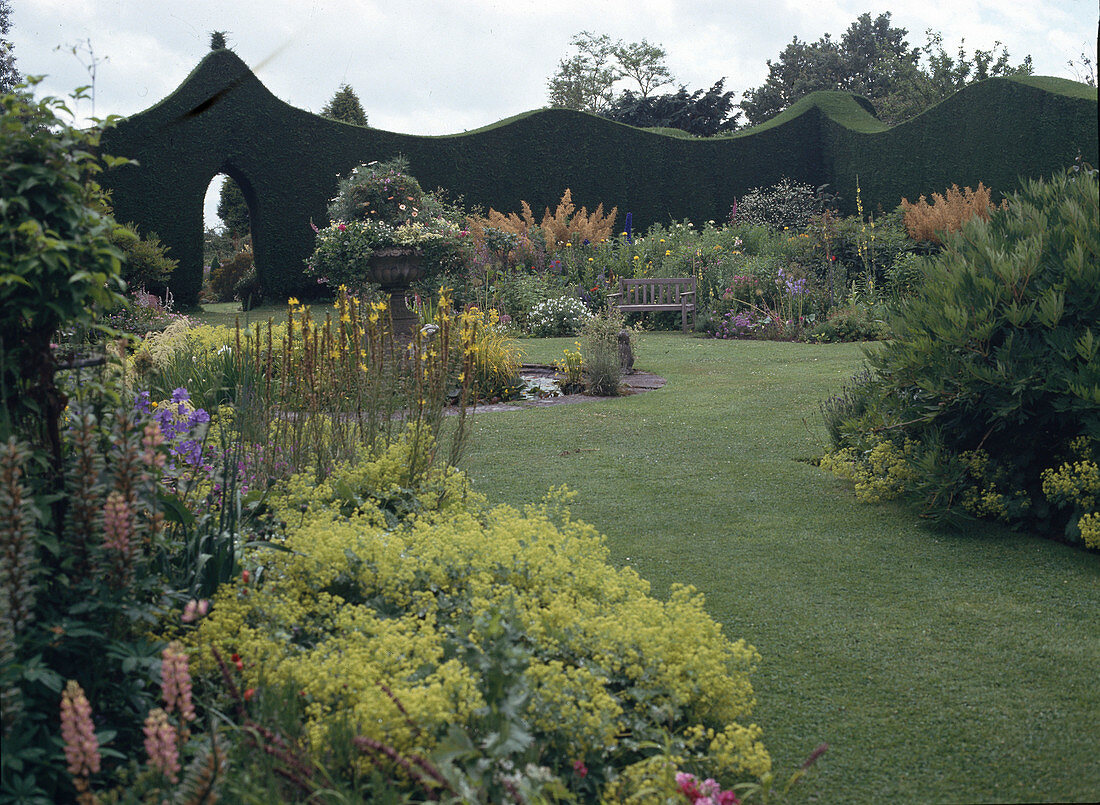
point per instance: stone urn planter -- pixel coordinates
(395, 268)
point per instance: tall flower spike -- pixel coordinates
(176, 681)
(81, 745)
(117, 524)
(18, 557)
(160, 744)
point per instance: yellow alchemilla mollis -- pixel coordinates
(1089, 524)
(360, 602)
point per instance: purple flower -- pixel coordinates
(180, 395)
(142, 404)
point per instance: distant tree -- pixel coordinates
(345, 107)
(873, 59)
(233, 210)
(702, 113)
(217, 40)
(645, 63)
(9, 76)
(940, 75)
(584, 81)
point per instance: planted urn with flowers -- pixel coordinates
(386, 231)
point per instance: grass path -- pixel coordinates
(940, 667)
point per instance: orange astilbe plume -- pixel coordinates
(566, 224)
(947, 212)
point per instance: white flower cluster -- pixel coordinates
(556, 317)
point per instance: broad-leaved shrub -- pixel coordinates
(994, 371)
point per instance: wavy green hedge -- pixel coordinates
(286, 160)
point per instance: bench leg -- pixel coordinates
(684, 318)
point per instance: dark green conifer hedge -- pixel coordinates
(286, 161)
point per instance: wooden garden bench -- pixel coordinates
(657, 294)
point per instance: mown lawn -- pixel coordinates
(228, 313)
(939, 666)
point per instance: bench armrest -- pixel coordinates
(613, 295)
(687, 293)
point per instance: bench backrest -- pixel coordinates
(655, 291)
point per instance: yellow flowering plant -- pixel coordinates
(433, 633)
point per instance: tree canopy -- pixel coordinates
(874, 59)
(702, 113)
(586, 80)
(9, 75)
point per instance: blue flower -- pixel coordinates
(180, 395)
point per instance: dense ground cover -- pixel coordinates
(940, 666)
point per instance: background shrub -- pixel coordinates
(224, 277)
(147, 264)
(564, 315)
(784, 205)
(600, 343)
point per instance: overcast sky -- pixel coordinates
(445, 66)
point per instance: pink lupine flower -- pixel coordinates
(194, 610)
(117, 524)
(160, 744)
(176, 681)
(151, 439)
(81, 745)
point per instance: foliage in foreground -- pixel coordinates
(487, 639)
(988, 401)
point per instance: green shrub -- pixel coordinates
(993, 371)
(58, 267)
(147, 264)
(906, 274)
(248, 288)
(855, 322)
(600, 338)
(519, 292)
(434, 635)
(224, 277)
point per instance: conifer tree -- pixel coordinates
(233, 210)
(345, 107)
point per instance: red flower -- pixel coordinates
(579, 768)
(246, 577)
(249, 693)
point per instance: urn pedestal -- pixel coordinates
(395, 269)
